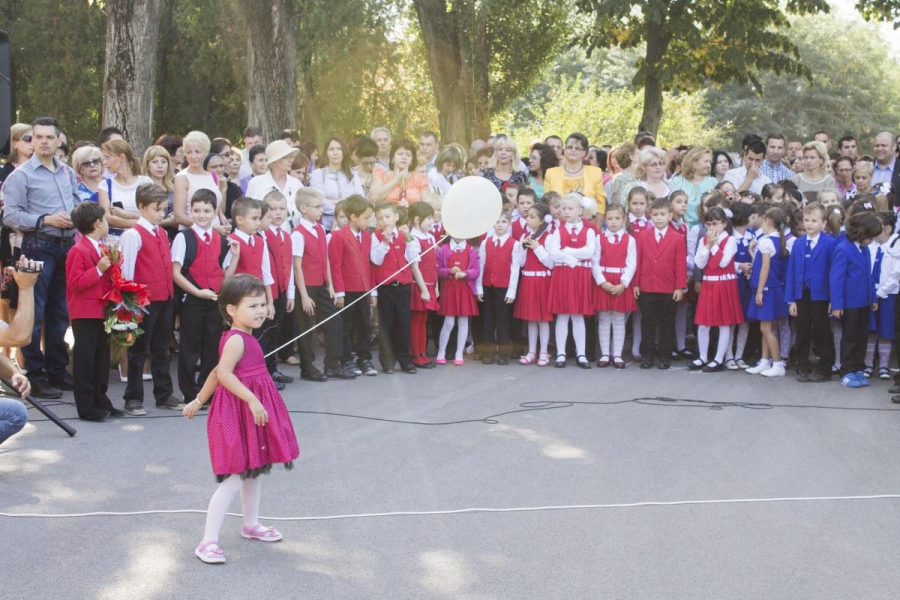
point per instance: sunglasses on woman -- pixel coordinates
(26, 138)
(92, 163)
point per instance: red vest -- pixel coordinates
(393, 260)
(518, 228)
(153, 266)
(712, 268)
(281, 259)
(614, 255)
(250, 261)
(497, 263)
(315, 255)
(428, 261)
(206, 269)
(532, 263)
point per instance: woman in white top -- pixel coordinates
(116, 194)
(196, 146)
(336, 179)
(446, 169)
(652, 161)
(814, 179)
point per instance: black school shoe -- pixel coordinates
(647, 363)
(279, 377)
(819, 377)
(98, 416)
(45, 391)
(409, 368)
(65, 383)
(339, 373)
(313, 375)
(663, 364)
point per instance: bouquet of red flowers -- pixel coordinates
(125, 305)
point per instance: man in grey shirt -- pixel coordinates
(38, 199)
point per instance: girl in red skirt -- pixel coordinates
(421, 217)
(614, 295)
(249, 428)
(571, 248)
(533, 299)
(719, 304)
(457, 264)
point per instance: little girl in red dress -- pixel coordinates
(614, 295)
(533, 300)
(719, 304)
(457, 265)
(249, 428)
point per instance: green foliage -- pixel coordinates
(698, 41)
(364, 67)
(608, 116)
(203, 56)
(58, 52)
(880, 10)
(853, 89)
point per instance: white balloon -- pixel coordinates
(471, 207)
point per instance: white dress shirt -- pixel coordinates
(520, 252)
(179, 245)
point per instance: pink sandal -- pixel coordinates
(544, 360)
(459, 362)
(210, 553)
(527, 359)
(263, 534)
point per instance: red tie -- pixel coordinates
(280, 239)
(359, 238)
(206, 237)
(251, 241)
(615, 238)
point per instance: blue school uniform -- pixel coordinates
(809, 269)
(743, 256)
(850, 278)
(882, 320)
(773, 306)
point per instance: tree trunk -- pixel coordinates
(310, 121)
(129, 78)
(272, 65)
(450, 77)
(657, 45)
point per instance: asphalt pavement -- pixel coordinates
(721, 494)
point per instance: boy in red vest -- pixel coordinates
(279, 330)
(496, 287)
(351, 275)
(389, 253)
(146, 259)
(197, 255)
(659, 283)
(86, 284)
(313, 279)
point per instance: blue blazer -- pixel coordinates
(851, 277)
(820, 265)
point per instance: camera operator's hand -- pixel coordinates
(21, 384)
(24, 279)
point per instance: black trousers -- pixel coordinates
(394, 320)
(496, 317)
(154, 342)
(812, 325)
(90, 366)
(334, 333)
(357, 327)
(657, 322)
(854, 337)
(269, 334)
(201, 329)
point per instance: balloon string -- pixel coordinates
(364, 295)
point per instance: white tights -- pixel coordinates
(883, 347)
(462, 334)
(611, 322)
(535, 329)
(221, 499)
(562, 333)
(721, 348)
(743, 331)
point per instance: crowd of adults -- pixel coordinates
(44, 177)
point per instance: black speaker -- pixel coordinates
(6, 93)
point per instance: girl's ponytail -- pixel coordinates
(544, 211)
(776, 215)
